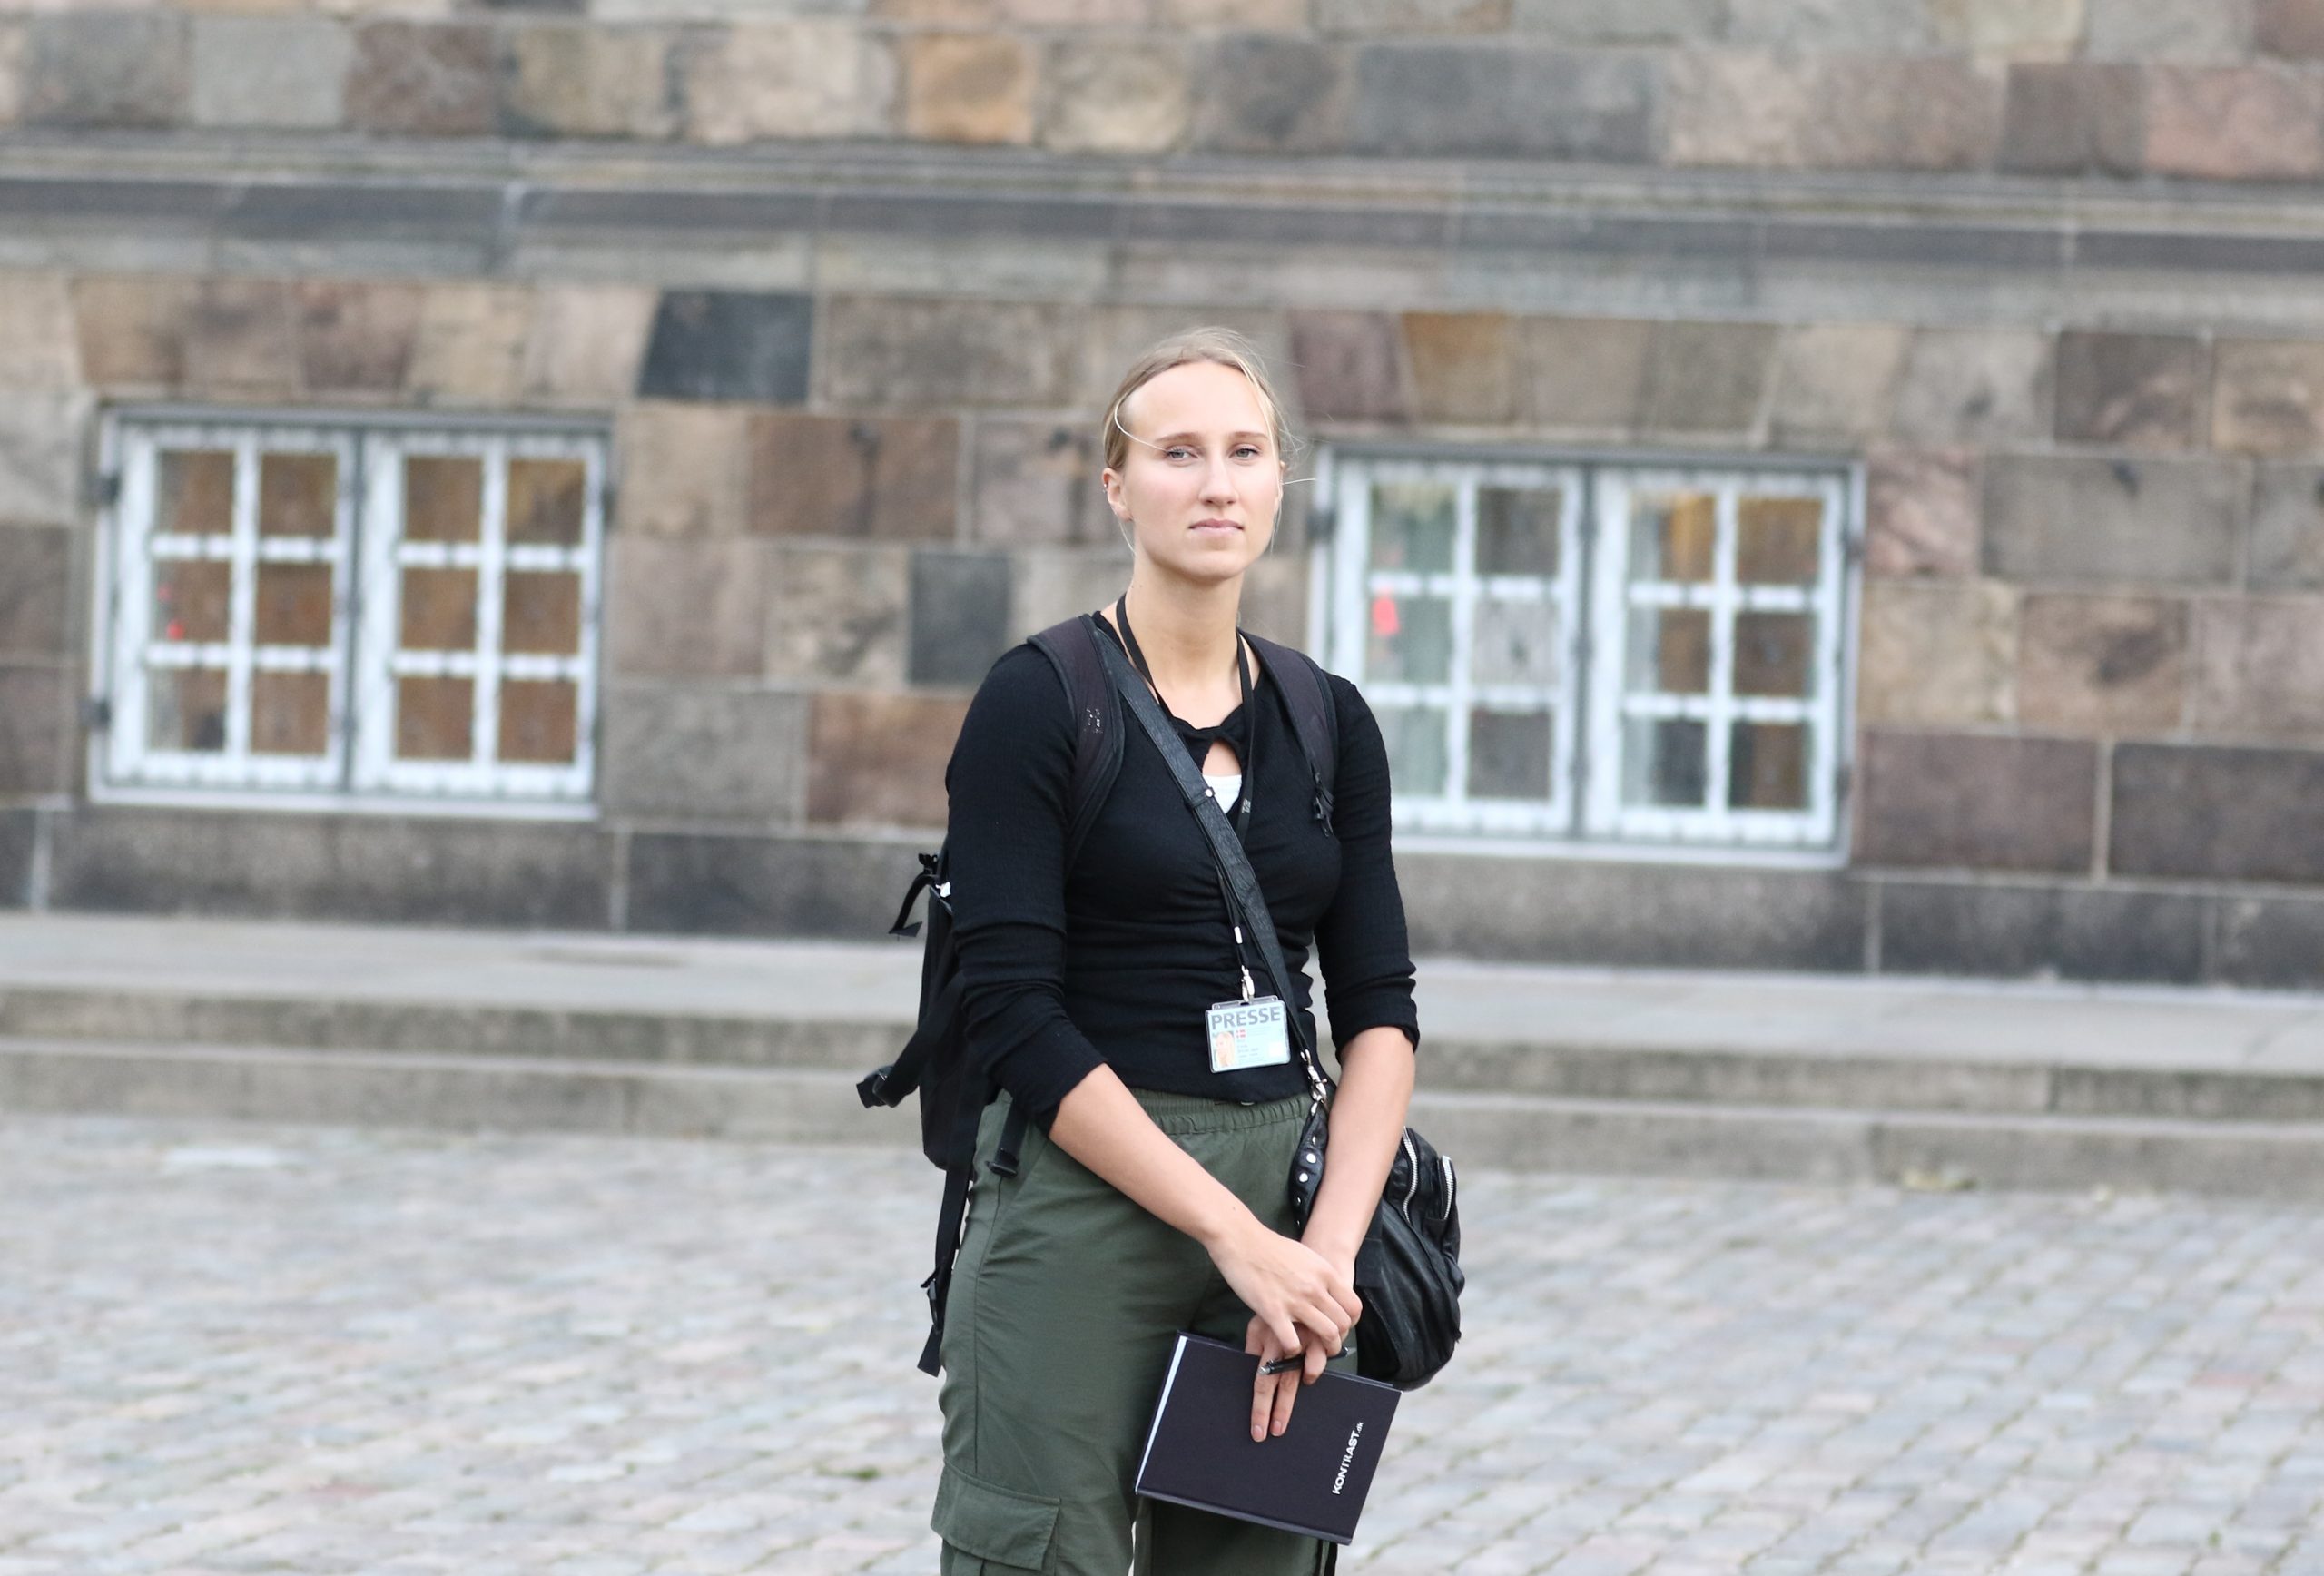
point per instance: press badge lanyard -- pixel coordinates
(1255, 1030)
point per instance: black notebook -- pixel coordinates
(1311, 1478)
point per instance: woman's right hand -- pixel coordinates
(1288, 1286)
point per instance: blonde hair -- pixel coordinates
(1223, 347)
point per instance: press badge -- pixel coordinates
(1249, 1033)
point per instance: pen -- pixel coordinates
(1283, 1365)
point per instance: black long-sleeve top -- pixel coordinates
(1117, 959)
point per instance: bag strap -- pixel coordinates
(1241, 878)
(1072, 649)
(1314, 719)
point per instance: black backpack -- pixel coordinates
(935, 1060)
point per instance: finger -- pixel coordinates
(1261, 1405)
(1286, 1393)
(1350, 1304)
(1312, 1369)
(1283, 1331)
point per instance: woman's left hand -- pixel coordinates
(1273, 1394)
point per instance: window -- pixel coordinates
(1590, 651)
(354, 611)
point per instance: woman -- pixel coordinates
(1149, 1195)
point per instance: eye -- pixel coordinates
(1246, 451)
(1178, 451)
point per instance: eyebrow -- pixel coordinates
(1177, 436)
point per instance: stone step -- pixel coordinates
(1490, 1131)
(1551, 1066)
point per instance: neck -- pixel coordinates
(1186, 631)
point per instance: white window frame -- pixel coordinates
(1584, 816)
(358, 771)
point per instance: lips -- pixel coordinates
(1216, 526)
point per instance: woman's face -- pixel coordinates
(1202, 481)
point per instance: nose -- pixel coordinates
(1217, 480)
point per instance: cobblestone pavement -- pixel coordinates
(241, 1349)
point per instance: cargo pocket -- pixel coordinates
(994, 1523)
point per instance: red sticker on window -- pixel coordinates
(1384, 621)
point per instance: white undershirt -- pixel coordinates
(1225, 785)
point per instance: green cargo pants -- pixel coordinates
(1056, 1334)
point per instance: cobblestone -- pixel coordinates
(234, 1349)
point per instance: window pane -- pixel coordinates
(1412, 527)
(1777, 541)
(443, 497)
(537, 720)
(1674, 538)
(1411, 640)
(1515, 643)
(1767, 766)
(1663, 762)
(294, 605)
(546, 500)
(1509, 755)
(1415, 740)
(1773, 653)
(541, 612)
(186, 709)
(434, 718)
(1517, 532)
(192, 599)
(298, 495)
(195, 495)
(290, 714)
(439, 610)
(1670, 650)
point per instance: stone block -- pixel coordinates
(1049, 585)
(1247, 16)
(1620, 21)
(1831, 24)
(19, 834)
(839, 615)
(2261, 672)
(106, 68)
(1503, 101)
(131, 329)
(2255, 123)
(40, 446)
(1119, 335)
(2133, 390)
(36, 704)
(1938, 654)
(2102, 665)
(1836, 383)
(1922, 511)
(1797, 110)
(586, 80)
(724, 884)
(243, 338)
(1707, 378)
(35, 590)
(684, 468)
(959, 615)
(1255, 94)
(1977, 801)
(899, 353)
(2271, 943)
(2158, 30)
(730, 345)
(809, 76)
(283, 866)
(12, 80)
(37, 347)
(2018, 29)
(682, 609)
(1037, 482)
(2043, 932)
(2168, 522)
(892, 479)
(1584, 374)
(878, 760)
(698, 752)
(1349, 366)
(968, 87)
(586, 342)
(2201, 814)
(357, 335)
(1275, 597)
(285, 73)
(2268, 397)
(470, 344)
(2291, 27)
(423, 79)
(2287, 546)
(1981, 388)
(1412, 16)
(1463, 365)
(2074, 118)
(1115, 94)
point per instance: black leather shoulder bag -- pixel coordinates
(1408, 1273)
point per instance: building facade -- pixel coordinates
(1813, 484)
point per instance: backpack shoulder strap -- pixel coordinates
(1072, 649)
(1314, 716)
